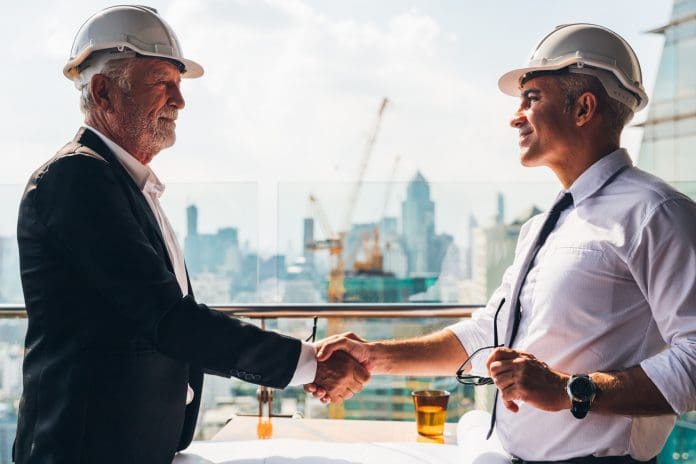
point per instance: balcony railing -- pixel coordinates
(384, 398)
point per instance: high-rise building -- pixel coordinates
(10, 284)
(418, 223)
(308, 237)
(493, 252)
(467, 264)
(424, 249)
(210, 253)
(669, 136)
(500, 210)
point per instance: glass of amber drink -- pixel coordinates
(431, 411)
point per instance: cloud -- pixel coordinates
(297, 85)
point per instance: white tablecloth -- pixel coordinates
(471, 448)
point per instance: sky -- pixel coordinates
(292, 87)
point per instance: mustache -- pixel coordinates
(169, 113)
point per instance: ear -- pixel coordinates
(585, 108)
(101, 89)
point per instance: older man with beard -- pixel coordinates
(116, 344)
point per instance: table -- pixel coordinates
(334, 441)
(242, 428)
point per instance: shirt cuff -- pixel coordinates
(670, 373)
(469, 335)
(306, 370)
(189, 394)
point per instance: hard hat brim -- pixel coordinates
(192, 69)
(509, 83)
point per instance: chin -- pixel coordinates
(169, 142)
(166, 140)
(529, 158)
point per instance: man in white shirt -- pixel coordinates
(116, 344)
(598, 310)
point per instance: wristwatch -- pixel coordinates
(581, 390)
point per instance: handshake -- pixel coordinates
(344, 365)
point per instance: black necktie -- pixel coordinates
(549, 225)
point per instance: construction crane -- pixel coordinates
(334, 242)
(374, 259)
(367, 153)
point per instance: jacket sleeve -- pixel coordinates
(89, 220)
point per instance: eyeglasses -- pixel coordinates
(478, 380)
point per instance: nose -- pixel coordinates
(518, 119)
(176, 99)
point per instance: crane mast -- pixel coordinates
(335, 242)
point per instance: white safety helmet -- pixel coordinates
(586, 49)
(122, 31)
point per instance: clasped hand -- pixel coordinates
(342, 369)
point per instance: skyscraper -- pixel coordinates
(418, 219)
(308, 237)
(669, 136)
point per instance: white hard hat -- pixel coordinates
(586, 49)
(125, 29)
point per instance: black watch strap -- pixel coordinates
(579, 409)
(581, 390)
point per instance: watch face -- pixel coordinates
(582, 388)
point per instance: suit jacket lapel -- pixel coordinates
(91, 140)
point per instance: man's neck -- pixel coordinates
(102, 126)
(579, 158)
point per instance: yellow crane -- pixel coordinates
(334, 241)
(374, 259)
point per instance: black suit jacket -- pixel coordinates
(111, 343)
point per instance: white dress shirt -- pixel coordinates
(152, 189)
(613, 287)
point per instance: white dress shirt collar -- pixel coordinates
(142, 175)
(597, 175)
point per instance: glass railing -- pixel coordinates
(384, 398)
(431, 247)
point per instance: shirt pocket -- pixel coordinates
(573, 259)
(573, 286)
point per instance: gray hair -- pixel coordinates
(117, 70)
(616, 114)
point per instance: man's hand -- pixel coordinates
(349, 342)
(338, 378)
(521, 377)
